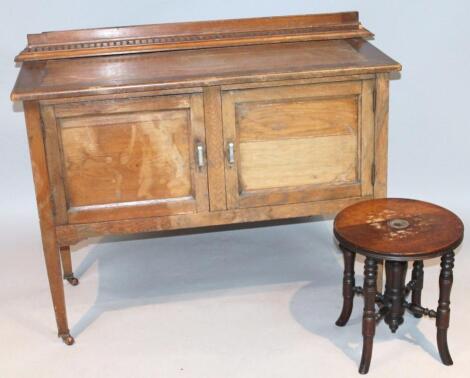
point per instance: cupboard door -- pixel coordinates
(127, 158)
(298, 143)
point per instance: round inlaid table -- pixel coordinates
(397, 231)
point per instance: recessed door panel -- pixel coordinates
(296, 144)
(136, 157)
(133, 160)
(298, 162)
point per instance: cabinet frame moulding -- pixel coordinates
(191, 35)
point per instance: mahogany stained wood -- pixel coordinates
(368, 317)
(366, 227)
(395, 231)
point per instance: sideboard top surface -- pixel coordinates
(344, 52)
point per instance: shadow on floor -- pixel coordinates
(160, 268)
(316, 308)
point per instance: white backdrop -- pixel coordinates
(429, 122)
(429, 156)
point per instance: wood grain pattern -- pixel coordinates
(381, 135)
(193, 68)
(55, 163)
(298, 162)
(304, 92)
(215, 148)
(131, 209)
(72, 234)
(137, 121)
(395, 231)
(291, 82)
(192, 90)
(197, 27)
(127, 158)
(446, 279)
(46, 213)
(164, 93)
(368, 317)
(165, 66)
(127, 105)
(349, 282)
(198, 137)
(268, 120)
(291, 143)
(367, 145)
(366, 227)
(298, 194)
(230, 136)
(133, 95)
(191, 35)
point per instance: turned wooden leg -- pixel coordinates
(443, 309)
(67, 266)
(380, 276)
(368, 319)
(417, 275)
(394, 296)
(348, 286)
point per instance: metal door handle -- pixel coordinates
(200, 155)
(231, 153)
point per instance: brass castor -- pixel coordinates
(72, 280)
(68, 339)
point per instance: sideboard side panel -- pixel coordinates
(381, 135)
(367, 137)
(55, 163)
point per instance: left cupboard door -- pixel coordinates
(126, 158)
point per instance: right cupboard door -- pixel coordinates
(300, 143)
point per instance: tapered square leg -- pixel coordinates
(46, 216)
(348, 287)
(443, 309)
(52, 259)
(368, 318)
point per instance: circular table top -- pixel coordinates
(398, 229)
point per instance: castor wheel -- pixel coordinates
(72, 280)
(68, 339)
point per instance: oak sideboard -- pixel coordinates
(172, 126)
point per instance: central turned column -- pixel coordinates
(395, 272)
